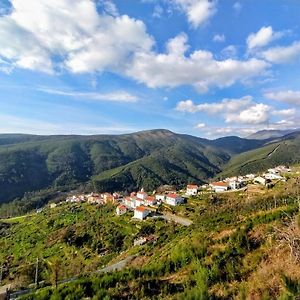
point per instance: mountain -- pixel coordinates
(268, 134)
(37, 167)
(109, 162)
(284, 150)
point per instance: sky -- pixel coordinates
(208, 68)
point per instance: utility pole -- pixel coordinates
(36, 272)
(1, 275)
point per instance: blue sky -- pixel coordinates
(206, 68)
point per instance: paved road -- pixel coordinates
(117, 266)
(174, 218)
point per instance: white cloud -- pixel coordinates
(118, 96)
(282, 54)
(288, 96)
(225, 106)
(284, 112)
(256, 114)
(199, 69)
(110, 7)
(157, 11)
(200, 126)
(241, 111)
(219, 38)
(197, 11)
(262, 38)
(229, 51)
(83, 40)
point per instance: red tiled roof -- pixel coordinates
(150, 198)
(121, 206)
(140, 208)
(220, 183)
(192, 186)
(173, 196)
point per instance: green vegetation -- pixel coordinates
(234, 250)
(43, 166)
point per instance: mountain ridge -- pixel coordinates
(30, 163)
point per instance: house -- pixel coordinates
(141, 212)
(150, 201)
(250, 176)
(107, 197)
(234, 184)
(173, 199)
(139, 202)
(273, 171)
(130, 202)
(142, 195)
(121, 209)
(219, 186)
(52, 205)
(282, 169)
(191, 189)
(260, 180)
(273, 176)
(160, 197)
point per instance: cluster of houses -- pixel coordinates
(140, 203)
(238, 182)
(143, 204)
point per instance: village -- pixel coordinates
(144, 204)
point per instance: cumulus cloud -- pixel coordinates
(229, 51)
(117, 96)
(110, 7)
(219, 38)
(199, 69)
(284, 112)
(197, 11)
(80, 39)
(225, 106)
(282, 54)
(262, 38)
(47, 36)
(288, 96)
(242, 111)
(256, 114)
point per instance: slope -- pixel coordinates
(66, 161)
(281, 151)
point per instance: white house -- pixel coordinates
(52, 205)
(273, 171)
(121, 210)
(141, 212)
(129, 202)
(273, 176)
(173, 199)
(219, 186)
(142, 195)
(160, 197)
(191, 189)
(260, 180)
(150, 201)
(139, 202)
(234, 184)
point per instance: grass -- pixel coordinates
(225, 254)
